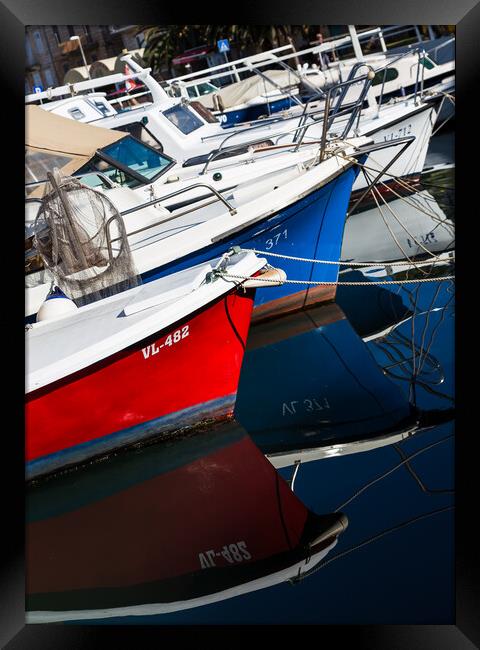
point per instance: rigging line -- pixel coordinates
(232, 324)
(374, 538)
(442, 124)
(412, 387)
(426, 387)
(385, 342)
(430, 310)
(417, 198)
(388, 348)
(405, 200)
(403, 226)
(401, 181)
(403, 340)
(385, 221)
(425, 327)
(392, 233)
(417, 478)
(391, 470)
(423, 189)
(435, 328)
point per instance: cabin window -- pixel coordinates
(390, 75)
(76, 113)
(140, 132)
(183, 119)
(192, 93)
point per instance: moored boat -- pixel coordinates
(141, 363)
(299, 208)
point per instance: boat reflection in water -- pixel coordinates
(308, 380)
(167, 528)
(317, 384)
(402, 228)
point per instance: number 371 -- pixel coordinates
(273, 241)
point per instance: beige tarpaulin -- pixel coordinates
(243, 91)
(66, 143)
(103, 67)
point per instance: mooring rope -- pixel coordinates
(437, 260)
(228, 276)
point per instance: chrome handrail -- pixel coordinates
(182, 190)
(357, 107)
(231, 209)
(222, 149)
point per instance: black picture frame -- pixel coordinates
(14, 16)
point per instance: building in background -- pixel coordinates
(49, 52)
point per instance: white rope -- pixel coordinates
(228, 276)
(437, 260)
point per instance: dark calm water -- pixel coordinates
(346, 393)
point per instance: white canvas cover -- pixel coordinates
(255, 86)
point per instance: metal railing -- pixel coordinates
(437, 48)
(153, 202)
(301, 128)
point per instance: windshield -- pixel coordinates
(128, 155)
(181, 117)
(206, 88)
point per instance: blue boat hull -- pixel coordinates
(312, 227)
(251, 113)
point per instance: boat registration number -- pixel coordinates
(232, 553)
(400, 133)
(307, 405)
(170, 340)
(270, 243)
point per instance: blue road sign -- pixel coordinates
(37, 89)
(223, 45)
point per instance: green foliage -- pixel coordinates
(164, 42)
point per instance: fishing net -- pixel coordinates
(82, 241)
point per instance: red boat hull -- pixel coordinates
(179, 377)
